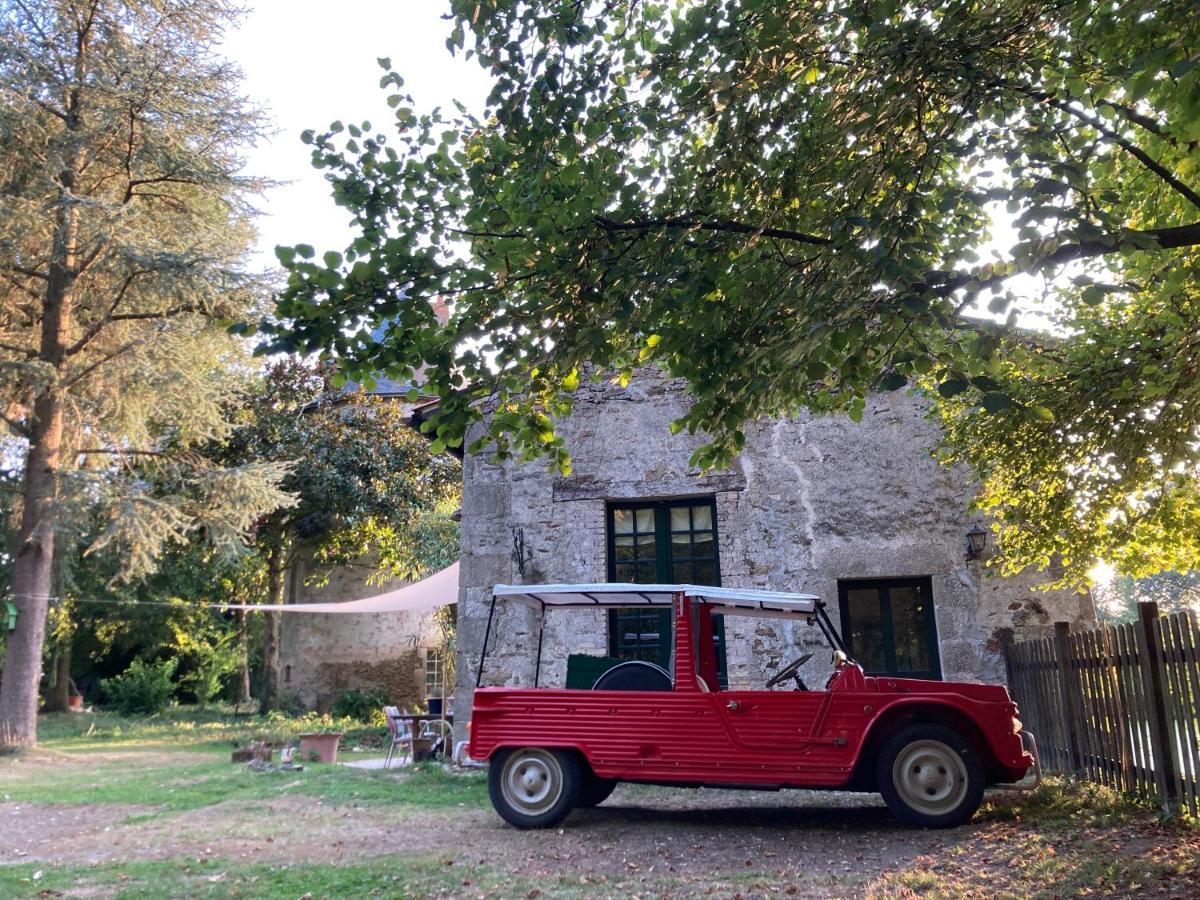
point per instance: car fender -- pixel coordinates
(888, 718)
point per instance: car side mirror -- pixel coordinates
(840, 659)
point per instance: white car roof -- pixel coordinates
(736, 601)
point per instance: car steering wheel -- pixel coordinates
(790, 670)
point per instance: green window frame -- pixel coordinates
(888, 626)
(660, 542)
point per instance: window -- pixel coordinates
(434, 673)
(663, 542)
(888, 626)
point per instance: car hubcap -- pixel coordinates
(930, 777)
(532, 781)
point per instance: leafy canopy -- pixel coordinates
(785, 203)
(367, 490)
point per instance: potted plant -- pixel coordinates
(320, 746)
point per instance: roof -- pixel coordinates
(738, 601)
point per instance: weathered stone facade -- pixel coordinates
(323, 655)
(809, 502)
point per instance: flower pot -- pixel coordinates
(324, 745)
(75, 702)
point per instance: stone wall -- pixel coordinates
(810, 501)
(323, 655)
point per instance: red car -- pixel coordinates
(929, 747)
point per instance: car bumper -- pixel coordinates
(1029, 743)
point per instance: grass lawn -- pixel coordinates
(109, 807)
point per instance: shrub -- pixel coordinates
(364, 706)
(142, 689)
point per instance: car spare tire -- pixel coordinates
(634, 675)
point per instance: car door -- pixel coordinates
(770, 721)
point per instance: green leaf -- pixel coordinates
(996, 402)
(952, 387)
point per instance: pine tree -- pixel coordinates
(124, 225)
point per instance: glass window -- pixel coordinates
(434, 673)
(889, 627)
(667, 541)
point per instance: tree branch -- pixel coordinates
(1124, 143)
(611, 225)
(942, 283)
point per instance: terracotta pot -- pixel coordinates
(325, 745)
(75, 701)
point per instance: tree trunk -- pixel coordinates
(32, 580)
(271, 629)
(59, 693)
(243, 697)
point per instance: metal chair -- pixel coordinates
(399, 735)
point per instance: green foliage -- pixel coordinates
(144, 688)
(367, 486)
(360, 705)
(163, 219)
(785, 204)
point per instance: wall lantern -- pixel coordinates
(8, 617)
(976, 541)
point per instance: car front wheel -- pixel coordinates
(930, 777)
(532, 787)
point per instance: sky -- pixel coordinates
(310, 62)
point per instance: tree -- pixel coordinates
(784, 203)
(369, 491)
(123, 228)
(1117, 600)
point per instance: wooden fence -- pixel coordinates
(1119, 704)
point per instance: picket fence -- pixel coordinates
(1118, 704)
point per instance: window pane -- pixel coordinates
(681, 572)
(909, 628)
(645, 545)
(866, 628)
(702, 517)
(705, 572)
(679, 518)
(645, 521)
(681, 546)
(623, 544)
(647, 573)
(625, 572)
(703, 545)
(623, 521)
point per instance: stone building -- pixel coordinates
(398, 653)
(857, 513)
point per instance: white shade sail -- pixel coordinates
(439, 589)
(738, 601)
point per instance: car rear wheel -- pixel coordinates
(595, 790)
(532, 787)
(930, 777)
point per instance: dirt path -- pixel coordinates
(653, 840)
(690, 834)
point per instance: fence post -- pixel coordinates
(1006, 642)
(1161, 750)
(1062, 661)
